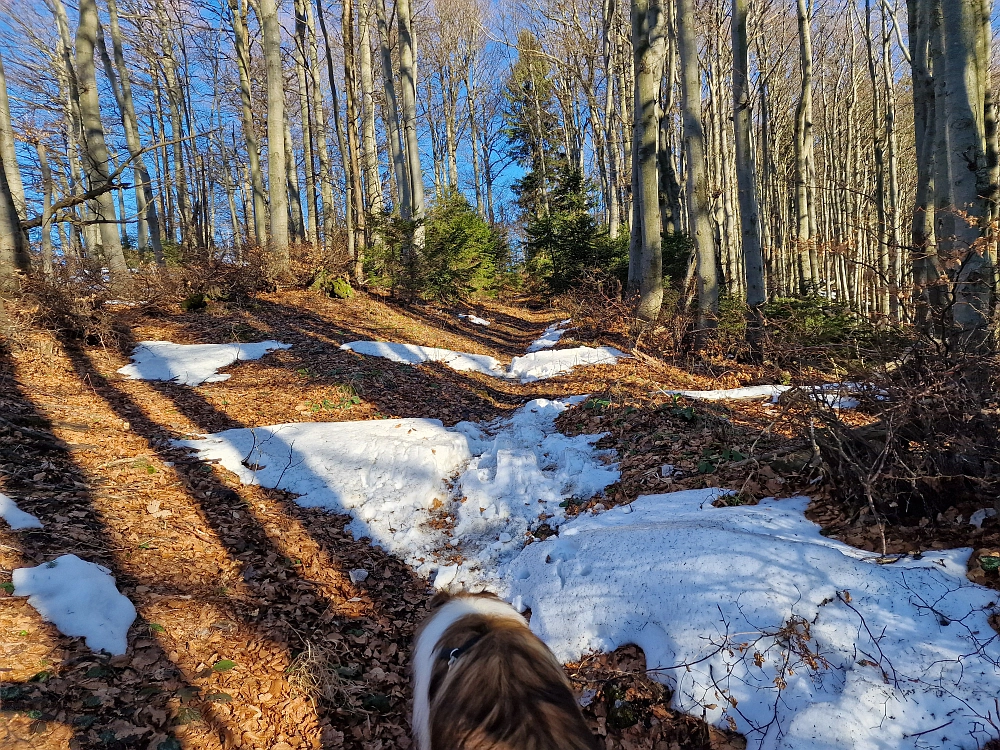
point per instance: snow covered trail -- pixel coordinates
(191, 364)
(550, 337)
(540, 363)
(411, 354)
(395, 476)
(748, 599)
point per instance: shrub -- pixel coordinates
(565, 244)
(462, 255)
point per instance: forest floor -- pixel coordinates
(251, 632)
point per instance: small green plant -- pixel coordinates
(712, 458)
(348, 398)
(194, 303)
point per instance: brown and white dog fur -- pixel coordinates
(484, 681)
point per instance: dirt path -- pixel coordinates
(250, 631)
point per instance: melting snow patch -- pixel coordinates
(835, 395)
(411, 354)
(754, 617)
(977, 518)
(191, 364)
(80, 598)
(527, 369)
(16, 518)
(746, 393)
(540, 365)
(396, 476)
(550, 337)
(476, 321)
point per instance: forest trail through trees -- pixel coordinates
(263, 623)
(247, 606)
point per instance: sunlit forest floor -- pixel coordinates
(251, 632)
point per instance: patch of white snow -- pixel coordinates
(475, 320)
(540, 365)
(16, 518)
(191, 364)
(746, 393)
(752, 615)
(411, 354)
(977, 518)
(392, 476)
(81, 599)
(550, 337)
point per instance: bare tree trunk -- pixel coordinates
(408, 90)
(47, 191)
(97, 160)
(296, 221)
(369, 144)
(325, 178)
(342, 141)
(89, 236)
(395, 134)
(697, 179)
(474, 143)
(808, 272)
(149, 221)
(746, 178)
(965, 25)
(8, 149)
(302, 75)
(610, 128)
(648, 25)
(241, 44)
(276, 171)
(14, 258)
(352, 162)
(175, 103)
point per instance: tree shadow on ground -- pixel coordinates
(285, 578)
(100, 697)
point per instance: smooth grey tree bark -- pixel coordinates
(175, 105)
(242, 46)
(14, 259)
(807, 261)
(47, 192)
(296, 220)
(965, 29)
(395, 134)
(278, 241)
(352, 162)
(325, 175)
(306, 116)
(145, 198)
(648, 42)
(700, 225)
(96, 150)
(8, 148)
(746, 180)
(408, 92)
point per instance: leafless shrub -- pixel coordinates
(598, 304)
(70, 309)
(933, 443)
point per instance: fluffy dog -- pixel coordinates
(484, 681)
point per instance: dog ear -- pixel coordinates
(439, 600)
